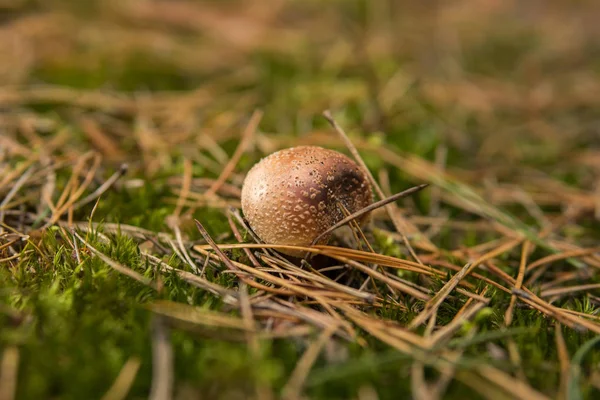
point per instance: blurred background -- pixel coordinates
(493, 79)
(502, 95)
(499, 92)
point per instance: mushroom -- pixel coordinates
(294, 195)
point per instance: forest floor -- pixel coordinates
(121, 122)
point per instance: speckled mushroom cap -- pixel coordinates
(290, 196)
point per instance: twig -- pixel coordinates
(398, 223)
(247, 136)
(120, 388)
(563, 359)
(162, 362)
(103, 188)
(8, 373)
(117, 266)
(508, 315)
(292, 389)
(185, 187)
(437, 300)
(369, 208)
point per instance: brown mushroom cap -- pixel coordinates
(291, 196)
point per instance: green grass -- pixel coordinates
(75, 321)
